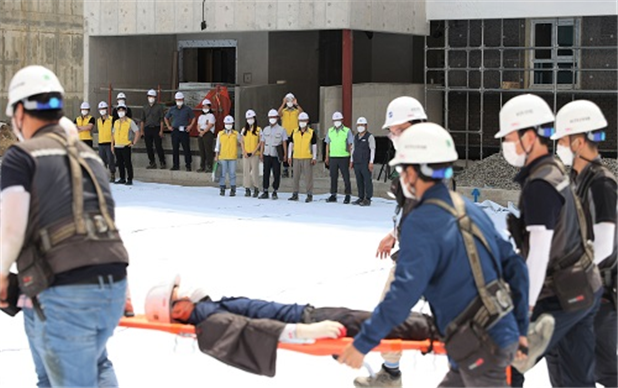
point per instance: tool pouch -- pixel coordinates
(576, 285)
(34, 272)
(471, 347)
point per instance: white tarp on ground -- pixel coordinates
(318, 253)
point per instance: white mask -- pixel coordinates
(85, 112)
(273, 121)
(406, 191)
(151, 100)
(565, 154)
(121, 113)
(250, 121)
(102, 112)
(17, 131)
(509, 151)
(337, 124)
(302, 124)
(205, 110)
(179, 103)
(361, 129)
(228, 126)
(122, 102)
(290, 104)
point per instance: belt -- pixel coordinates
(101, 279)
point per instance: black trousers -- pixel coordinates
(89, 142)
(179, 138)
(207, 153)
(271, 163)
(123, 160)
(340, 164)
(151, 135)
(364, 183)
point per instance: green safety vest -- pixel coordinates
(338, 142)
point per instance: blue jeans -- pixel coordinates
(71, 342)
(39, 367)
(227, 167)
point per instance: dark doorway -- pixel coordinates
(212, 65)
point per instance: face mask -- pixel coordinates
(17, 130)
(273, 121)
(250, 121)
(290, 104)
(509, 151)
(121, 113)
(406, 190)
(102, 112)
(360, 129)
(179, 103)
(337, 124)
(85, 112)
(205, 110)
(151, 100)
(228, 126)
(302, 124)
(565, 154)
(122, 102)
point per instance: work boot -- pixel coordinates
(129, 182)
(222, 191)
(286, 174)
(247, 192)
(121, 181)
(309, 198)
(128, 308)
(233, 191)
(357, 202)
(264, 195)
(175, 168)
(162, 165)
(366, 202)
(294, 197)
(188, 168)
(332, 198)
(275, 196)
(151, 165)
(256, 192)
(380, 379)
(201, 169)
(539, 334)
(112, 178)
(347, 199)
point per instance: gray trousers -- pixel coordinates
(106, 154)
(302, 167)
(494, 377)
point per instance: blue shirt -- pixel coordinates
(433, 262)
(181, 117)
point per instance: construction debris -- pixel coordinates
(7, 138)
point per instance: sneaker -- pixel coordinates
(151, 166)
(294, 197)
(256, 192)
(332, 198)
(129, 182)
(380, 379)
(539, 335)
(128, 308)
(366, 202)
(233, 191)
(357, 202)
(121, 181)
(188, 168)
(347, 199)
(247, 192)
(222, 191)
(275, 196)
(162, 165)
(264, 195)
(309, 198)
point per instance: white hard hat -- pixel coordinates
(121, 96)
(402, 110)
(289, 97)
(578, 117)
(228, 120)
(152, 93)
(427, 143)
(206, 102)
(121, 106)
(31, 81)
(361, 120)
(524, 111)
(179, 96)
(159, 301)
(337, 116)
(103, 105)
(303, 116)
(84, 105)
(250, 114)
(273, 113)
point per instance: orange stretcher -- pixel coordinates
(323, 347)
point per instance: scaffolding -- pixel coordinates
(484, 62)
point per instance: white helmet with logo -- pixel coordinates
(361, 121)
(85, 106)
(428, 143)
(303, 116)
(121, 96)
(179, 96)
(103, 105)
(524, 111)
(402, 110)
(337, 116)
(228, 120)
(152, 93)
(580, 116)
(159, 301)
(31, 81)
(250, 114)
(273, 113)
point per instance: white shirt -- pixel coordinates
(204, 120)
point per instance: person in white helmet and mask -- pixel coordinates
(251, 134)
(362, 162)
(121, 99)
(551, 234)
(85, 123)
(470, 279)
(580, 128)
(105, 132)
(226, 154)
(179, 119)
(61, 236)
(302, 154)
(206, 136)
(339, 143)
(151, 126)
(289, 112)
(273, 151)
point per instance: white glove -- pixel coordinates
(324, 329)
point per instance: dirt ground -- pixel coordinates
(6, 137)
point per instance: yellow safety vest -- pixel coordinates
(105, 130)
(302, 144)
(82, 122)
(122, 132)
(251, 140)
(289, 120)
(228, 145)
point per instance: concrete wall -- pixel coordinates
(121, 17)
(48, 33)
(259, 98)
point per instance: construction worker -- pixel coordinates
(126, 134)
(302, 154)
(289, 111)
(206, 132)
(226, 153)
(69, 255)
(104, 129)
(251, 133)
(580, 127)
(551, 235)
(339, 141)
(152, 129)
(273, 151)
(182, 118)
(362, 162)
(452, 255)
(121, 99)
(85, 123)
